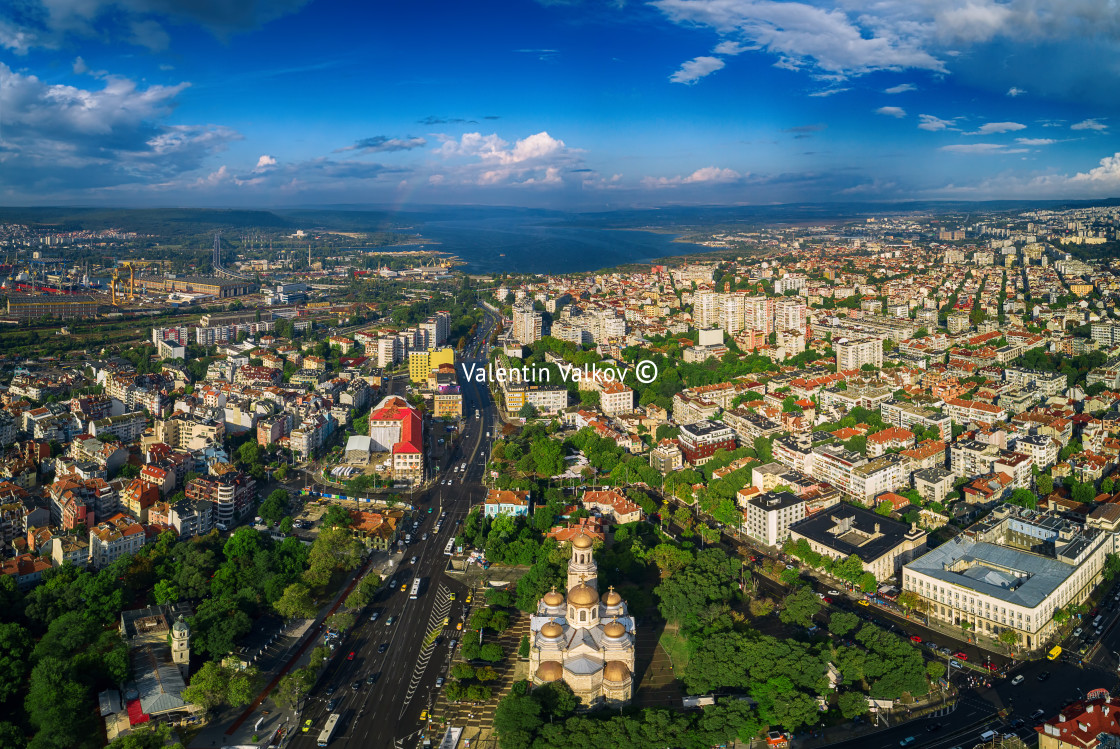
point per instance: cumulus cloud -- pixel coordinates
(1107, 172)
(900, 88)
(537, 159)
(710, 175)
(1014, 91)
(981, 148)
(697, 68)
(384, 144)
(933, 124)
(1090, 124)
(67, 137)
(731, 48)
(989, 128)
(891, 111)
(264, 162)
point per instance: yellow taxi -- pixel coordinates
(424, 715)
(307, 725)
(458, 626)
(468, 598)
(452, 596)
(404, 587)
(446, 620)
(863, 602)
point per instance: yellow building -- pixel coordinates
(1081, 289)
(420, 363)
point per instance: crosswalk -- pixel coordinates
(434, 626)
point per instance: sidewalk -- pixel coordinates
(263, 718)
(933, 705)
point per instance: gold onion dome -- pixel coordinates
(613, 629)
(551, 630)
(611, 598)
(552, 598)
(582, 541)
(583, 595)
(550, 671)
(614, 671)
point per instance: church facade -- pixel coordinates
(582, 638)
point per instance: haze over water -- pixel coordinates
(531, 245)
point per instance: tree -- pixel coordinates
(274, 507)
(336, 516)
(841, 623)
(341, 620)
(516, 716)
(491, 652)
(15, 652)
(462, 671)
(1045, 484)
(293, 687)
(296, 603)
(1111, 566)
(799, 607)
(1009, 638)
(868, 583)
(1023, 498)
(208, 686)
(528, 411)
(852, 704)
(523, 648)
(935, 669)
(909, 600)
(711, 578)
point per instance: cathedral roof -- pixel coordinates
(550, 671)
(553, 598)
(616, 671)
(583, 595)
(582, 541)
(611, 598)
(552, 630)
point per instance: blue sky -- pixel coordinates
(557, 103)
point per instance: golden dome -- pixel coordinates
(551, 671)
(613, 629)
(614, 671)
(582, 541)
(611, 598)
(552, 598)
(583, 595)
(551, 630)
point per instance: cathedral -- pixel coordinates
(584, 639)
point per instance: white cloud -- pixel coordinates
(982, 148)
(537, 159)
(1108, 172)
(989, 128)
(264, 162)
(1090, 124)
(828, 92)
(695, 69)
(17, 39)
(1014, 91)
(1035, 141)
(384, 144)
(710, 175)
(933, 124)
(891, 111)
(80, 66)
(900, 88)
(731, 48)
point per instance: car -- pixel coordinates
(328, 691)
(961, 656)
(425, 536)
(390, 620)
(991, 667)
(820, 596)
(469, 596)
(382, 647)
(955, 662)
(1017, 680)
(863, 602)
(393, 584)
(371, 679)
(790, 567)
(458, 626)
(332, 705)
(945, 651)
(1044, 676)
(916, 639)
(306, 725)
(933, 727)
(373, 616)
(1077, 632)
(423, 715)
(405, 586)
(907, 741)
(356, 685)
(446, 620)
(439, 682)
(451, 597)
(413, 560)
(826, 599)
(834, 592)
(351, 656)
(1038, 714)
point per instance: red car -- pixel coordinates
(827, 599)
(351, 656)
(991, 667)
(961, 657)
(915, 638)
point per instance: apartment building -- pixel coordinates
(700, 440)
(112, 538)
(527, 323)
(907, 416)
(767, 517)
(853, 353)
(963, 412)
(126, 427)
(231, 495)
(881, 544)
(666, 457)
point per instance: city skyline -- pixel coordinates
(566, 105)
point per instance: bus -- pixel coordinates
(1054, 653)
(415, 588)
(450, 544)
(328, 730)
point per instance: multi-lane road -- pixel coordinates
(383, 674)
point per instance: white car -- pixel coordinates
(1017, 680)
(834, 592)
(1077, 632)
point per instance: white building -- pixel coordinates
(853, 353)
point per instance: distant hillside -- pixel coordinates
(163, 221)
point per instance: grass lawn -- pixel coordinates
(676, 646)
